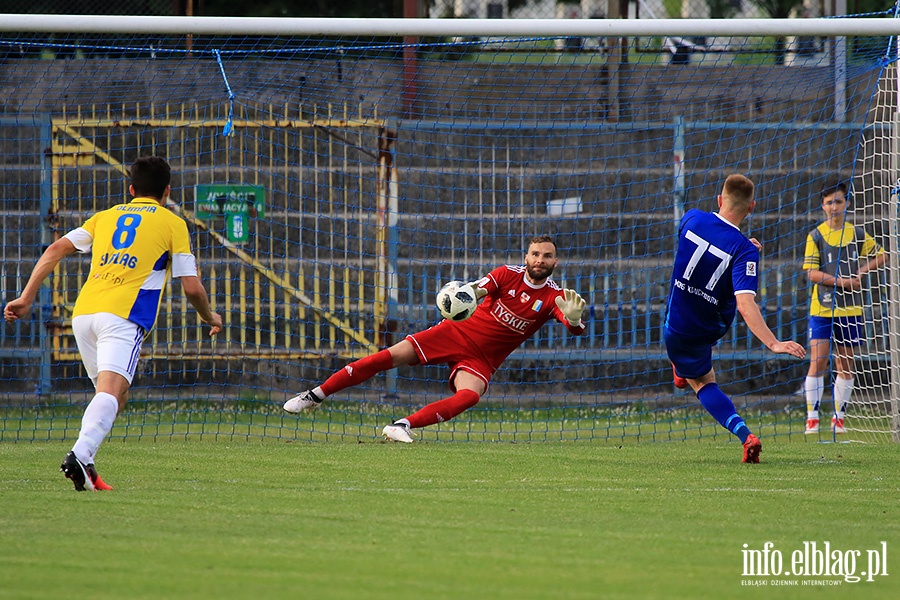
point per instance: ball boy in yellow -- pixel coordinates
(837, 255)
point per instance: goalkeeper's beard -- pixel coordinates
(538, 274)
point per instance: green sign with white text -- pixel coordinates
(222, 199)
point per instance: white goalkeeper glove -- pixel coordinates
(479, 291)
(572, 306)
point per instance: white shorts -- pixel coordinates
(107, 342)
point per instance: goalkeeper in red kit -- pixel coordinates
(518, 300)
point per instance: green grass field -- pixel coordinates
(276, 519)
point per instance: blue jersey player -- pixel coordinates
(715, 275)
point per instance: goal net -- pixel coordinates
(334, 178)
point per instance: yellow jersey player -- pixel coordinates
(134, 248)
(837, 255)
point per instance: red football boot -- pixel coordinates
(99, 484)
(752, 449)
(680, 382)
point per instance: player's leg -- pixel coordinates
(99, 416)
(814, 384)
(110, 347)
(843, 385)
(719, 405)
(847, 335)
(469, 386)
(723, 411)
(401, 353)
(692, 360)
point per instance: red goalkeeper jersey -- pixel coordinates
(511, 312)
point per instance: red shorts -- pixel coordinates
(443, 344)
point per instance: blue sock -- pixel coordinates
(722, 409)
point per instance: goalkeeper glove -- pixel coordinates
(479, 292)
(572, 306)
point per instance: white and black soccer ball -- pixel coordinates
(457, 301)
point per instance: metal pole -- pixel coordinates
(386, 293)
(45, 295)
(137, 25)
(893, 276)
(678, 193)
(840, 67)
(410, 63)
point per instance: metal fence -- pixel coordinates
(333, 269)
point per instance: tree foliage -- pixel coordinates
(722, 9)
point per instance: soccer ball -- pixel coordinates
(456, 301)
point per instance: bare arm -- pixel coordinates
(823, 278)
(196, 295)
(847, 283)
(873, 264)
(746, 304)
(55, 252)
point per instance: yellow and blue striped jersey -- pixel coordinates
(134, 247)
(837, 252)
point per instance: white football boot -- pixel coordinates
(305, 401)
(398, 432)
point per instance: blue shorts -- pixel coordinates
(845, 331)
(692, 358)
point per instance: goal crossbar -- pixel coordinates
(446, 27)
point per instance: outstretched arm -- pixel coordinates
(55, 252)
(196, 295)
(746, 304)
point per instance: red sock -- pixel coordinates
(444, 410)
(358, 371)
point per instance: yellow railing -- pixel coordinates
(282, 297)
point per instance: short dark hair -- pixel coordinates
(832, 186)
(150, 176)
(542, 239)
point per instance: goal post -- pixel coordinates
(552, 28)
(894, 278)
(335, 175)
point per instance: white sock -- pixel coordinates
(318, 393)
(402, 422)
(95, 425)
(842, 390)
(813, 387)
